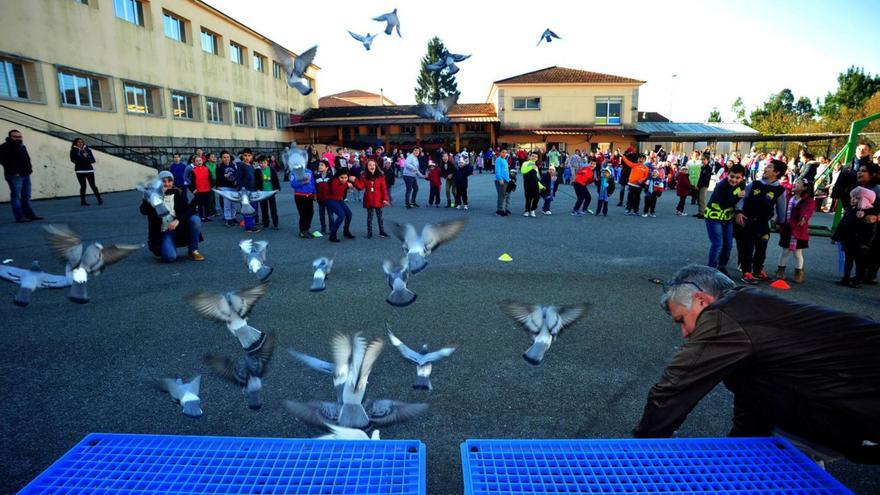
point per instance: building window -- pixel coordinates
(475, 128)
(407, 129)
(183, 106)
(282, 119)
(442, 129)
(214, 110)
(264, 118)
(526, 103)
(236, 53)
(129, 10)
(242, 115)
(12, 80)
(175, 27)
(83, 2)
(259, 62)
(277, 70)
(80, 91)
(210, 42)
(140, 99)
(608, 110)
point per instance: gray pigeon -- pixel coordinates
(366, 39)
(544, 324)
(391, 20)
(423, 359)
(322, 267)
(232, 309)
(296, 69)
(186, 394)
(84, 261)
(246, 199)
(380, 412)
(439, 110)
(447, 61)
(419, 246)
(247, 370)
(153, 194)
(255, 257)
(548, 36)
(400, 296)
(294, 158)
(30, 280)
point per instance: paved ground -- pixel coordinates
(69, 370)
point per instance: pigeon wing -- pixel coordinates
(49, 281)
(381, 18)
(341, 348)
(388, 412)
(370, 357)
(64, 243)
(302, 63)
(284, 57)
(233, 196)
(266, 350)
(436, 234)
(208, 305)
(446, 103)
(553, 35)
(118, 252)
(438, 65)
(405, 351)
(223, 367)
(312, 362)
(438, 354)
(424, 110)
(459, 58)
(522, 313)
(12, 274)
(571, 314)
(244, 300)
(257, 196)
(314, 413)
(404, 232)
(357, 37)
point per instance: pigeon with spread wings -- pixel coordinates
(30, 280)
(548, 36)
(366, 39)
(544, 324)
(391, 22)
(255, 257)
(295, 69)
(438, 111)
(232, 308)
(419, 246)
(423, 359)
(247, 370)
(246, 199)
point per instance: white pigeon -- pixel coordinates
(419, 246)
(544, 324)
(247, 370)
(366, 39)
(548, 36)
(422, 359)
(322, 267)
(255, 257)
(391, 22)
(439, 110)
(84, 261)
(296, 69)
(30, 280)
(184, 393)
(447, 61)
(343, 433)
(400, 296)
(246, 199)
(232, 309)
(294, 158)
(153, 195)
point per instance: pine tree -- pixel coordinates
(432, 87)
(714, 115)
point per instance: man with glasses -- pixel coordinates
(809, 371)
(17, 170)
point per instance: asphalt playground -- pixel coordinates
(69, 369)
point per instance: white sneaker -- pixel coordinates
(465, 207)
(532, 214)
(526, 214)
(458, 207)
(644, 215)
(653, 215)
(548, 212)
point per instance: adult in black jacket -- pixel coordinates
(447, 171)
(17, 170)
(703, 183)
(624, 176)
(806, 370)
(82, 158)
(181, 228)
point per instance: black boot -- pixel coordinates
(333, 238)
(347, 235)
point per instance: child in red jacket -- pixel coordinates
(683, 189)
(434, 178)
(794, 234)
(372, 182)
(322, 186)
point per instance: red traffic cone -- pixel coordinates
(780, 284)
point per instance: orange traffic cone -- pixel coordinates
(780, 284)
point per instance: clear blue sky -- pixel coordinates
(719, 50)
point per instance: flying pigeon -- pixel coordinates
(247, 370)
(186, 394)
(548, 36)
(544, 324)
(84, 261)
(423, 360)
(152, 191)
(400, 296)
(294, 159)
(438, 110)
(322, 267)
(418, 247)
(366, 39)
(296, 68)
(380, 412)
(343, 433)
(232, 309)
(392, 22)
(255, 257)
(31, 280)
(447, 61)
(246, 198)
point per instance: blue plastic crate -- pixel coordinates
(718, 466)
(111, 464)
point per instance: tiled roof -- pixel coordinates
(332, 101)
(564, 75)
(355, 93)
(482, 109)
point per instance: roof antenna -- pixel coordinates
(381, 97)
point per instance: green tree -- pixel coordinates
(714, 115)
(804, 109)
(432, 87)
(854, 87)
(739, 110)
